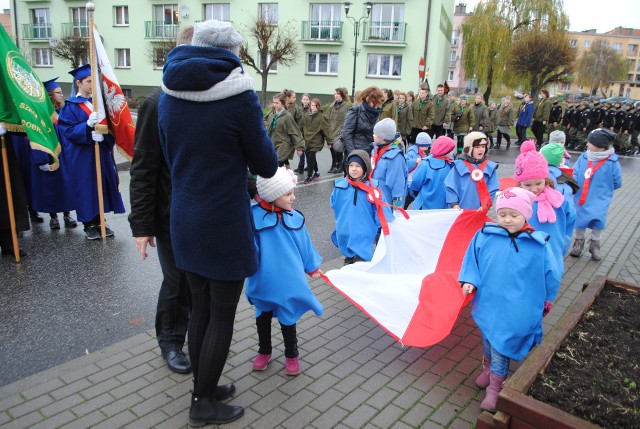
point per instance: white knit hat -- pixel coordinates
(472, 137)
(274, 187)
(385, 129)
(557, 136)
(217, 34)
(423, 139)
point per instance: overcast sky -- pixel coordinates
(584, 14)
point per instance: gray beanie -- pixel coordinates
(216, 34)
(385, 129)
(557, 136)
(423, 139)
(602, 138)
(274, 187)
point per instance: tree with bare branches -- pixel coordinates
(276, 43)
(599, 65)
(73, 48)
(541, 57)
(157, 52)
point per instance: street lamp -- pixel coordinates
(356, 32)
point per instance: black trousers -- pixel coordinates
(538, 129)
(499, 138)
(174, 301)
(263, 323)
(312, 163)
(213, 312)
(414, 134)
(436, 131)
(522, 133)
(336, 157)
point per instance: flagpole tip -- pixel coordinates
(90, 6)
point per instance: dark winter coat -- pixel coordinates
(335, 115)
(358, 128)
(423, 113)
(284, 133)
(315, 129)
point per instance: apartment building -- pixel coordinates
(624, 40)
(392, 37)
(456, 78)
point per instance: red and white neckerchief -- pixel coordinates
(477, 175)
(588, 174)
(377, 154)
(374, 196)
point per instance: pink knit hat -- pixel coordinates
(442, 146)
(517, 199)
(530, 164)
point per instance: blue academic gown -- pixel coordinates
(391, 174)
(428, 184)
(357, 220)
(461, 189)
(593, 213)
(514, 277)
(285, 254)
(560, 232)
(76, 140)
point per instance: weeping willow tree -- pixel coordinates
(488, 35)
(599, 65)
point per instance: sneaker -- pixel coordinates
(109, 232)
(69, 222)
(260, 362)
(308, 179)
(315, 177)
(54, 223)
(92, 233)
(292, 366)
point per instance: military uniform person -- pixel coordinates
(626, 130)
(584, 124)
(555, 116)
(636, 129)
(597, 114)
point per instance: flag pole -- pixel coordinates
(92, 60)
(7, 184)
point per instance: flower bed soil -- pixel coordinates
(595, 374)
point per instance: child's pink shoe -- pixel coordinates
(260, 362)
(292, 366)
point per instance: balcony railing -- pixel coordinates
(77, 29)
(386, 32)
(160, 30)
(36, 31)
(322, 30)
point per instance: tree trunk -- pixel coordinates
(263, 90)
(487, 92)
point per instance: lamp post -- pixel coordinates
(356, 32)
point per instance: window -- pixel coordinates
(450, 76)
(123, 58)
(80, 21)
(566, 86)
(387, 22)
(42, 57)
(581, 87)
(325, 20)
(322, 63)
(573, 43)
(165, 20)
(41, 24)
(121, 15)
(587, 43)
(632, 49)
(268, 12)
(126, 92)
(219, 11)
(384, 65)
(616, 47)
(160, 57)
(452, 58)
(454, 37)
(274, 66)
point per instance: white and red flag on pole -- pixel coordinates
(410, 287)
(117, 119)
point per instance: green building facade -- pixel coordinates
(392, 37)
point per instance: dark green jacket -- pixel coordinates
(542, 110)
(389, 110)
(335, 116)
(423, 113)
(441, 110)
(405, 119)
(315, 130)
(465, 119)
(284, 133)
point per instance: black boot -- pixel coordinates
(205, 411)
(35, 217)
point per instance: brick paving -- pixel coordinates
(354, 374)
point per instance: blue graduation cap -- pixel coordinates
(81, 72)
(51, 84)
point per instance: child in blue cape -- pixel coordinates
(427, 185)
(473, 181)
(414, 156)
(561, 174)
(598, 173)
(552, 212)
(279, 287)
(357, 217)
(516, 277)
(388, 166)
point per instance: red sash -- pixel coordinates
(86, 108)
(588, 174)
(477, 175)
(374, 195)
(377, 154)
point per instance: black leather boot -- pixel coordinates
(205, 411)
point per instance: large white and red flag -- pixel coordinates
(117, 119)
(410, 287)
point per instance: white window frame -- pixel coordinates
(453, 58)
(573, 43)
(566, 86)
(121, 16)
(218, 11)
(325, 20)
(125, 55)
(587, 43)
(332, 59)
(454, 38)
(42, 57)
(269, 13)
(392, 27)
(378, 63)
(616, 47)
(450, 76)
(274, 66)
(41, 18)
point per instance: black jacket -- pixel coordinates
(150, 188)
(358, 128)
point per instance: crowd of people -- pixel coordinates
(228, 183)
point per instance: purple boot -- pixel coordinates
(482, 380)
(494, 387)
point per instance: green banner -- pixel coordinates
(24, 104)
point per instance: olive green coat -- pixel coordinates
(423, 113)
(465, 120)
(405, 119)
(335, 116)
(480, 116)
(284, 133)
(441, 110)
(506, 116)
(492, 119)
(389, 110)
(296, 113)
(542, 110)
(315, 130)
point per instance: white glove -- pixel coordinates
(93, 119)
(3, 130)
(44, 167)
(97, 137)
